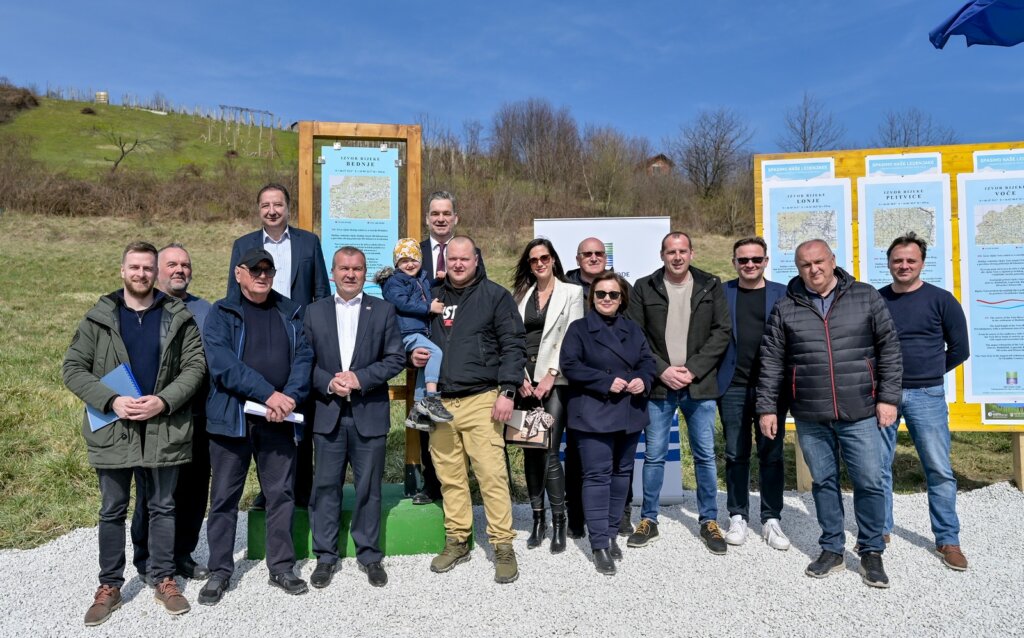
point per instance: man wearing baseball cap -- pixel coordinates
(256, 351)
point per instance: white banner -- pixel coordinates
(632, 244)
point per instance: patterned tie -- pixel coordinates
(440, 258)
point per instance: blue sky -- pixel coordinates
(644, 68)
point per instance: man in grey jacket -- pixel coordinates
(157, 337)
(832, 343)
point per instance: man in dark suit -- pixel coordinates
(441, 222)
(302, 278)
(358, 347)
(751, 298)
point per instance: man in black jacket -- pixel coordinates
(832, 341)
(484, 344)
(685, 316)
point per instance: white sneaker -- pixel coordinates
(737, 533)
(771, 531)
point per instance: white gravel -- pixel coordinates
(674, 587)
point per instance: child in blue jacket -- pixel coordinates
(408, 288)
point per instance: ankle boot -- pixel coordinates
(557, 533)
(540, 527)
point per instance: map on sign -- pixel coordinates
(894, 222)
(799, 226)
(360, 197)
(999, 224)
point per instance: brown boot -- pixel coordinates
(168, 595)
(952, 557)
(106, 601)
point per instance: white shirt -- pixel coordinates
(347, 313)
(281, 251)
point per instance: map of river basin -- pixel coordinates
(896, 222)
(999, 224)
(360, 197)
(799, 226)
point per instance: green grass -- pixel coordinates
(66, 140)
(56, 268)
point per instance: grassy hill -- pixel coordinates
(81, 145)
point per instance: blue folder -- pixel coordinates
(121, 381)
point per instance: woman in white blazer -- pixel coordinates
(547, 304)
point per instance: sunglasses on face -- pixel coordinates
(543, 259)
(611, 294)
(743, 261)
(257, 272)
(592, 253)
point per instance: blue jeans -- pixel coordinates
(860, 446)
(432, 371)
(700, 426)
(927, 417)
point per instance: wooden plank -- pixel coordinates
(362, 131)
(1018, 460)
(413, 182)
(803, 473)
(305, 204)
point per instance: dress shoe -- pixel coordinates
(322, 574)
(615, 551)
(289, 582)
(603, 562)
(375, 573)
(188, 568)
(212, 591)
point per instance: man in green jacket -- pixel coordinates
(158, 338)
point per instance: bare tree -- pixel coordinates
(533, 137)
(125, 144)
(608, 163)
(912, 127)
(710, 149)
(810, 126)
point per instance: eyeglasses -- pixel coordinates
(258, 272)
(743, 261)
(543, 259)
(611, 294)
(591, 253)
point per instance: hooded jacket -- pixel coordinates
(97, 348)
(836, 366)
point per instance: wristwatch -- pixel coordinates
(509, 394)
(553, 372)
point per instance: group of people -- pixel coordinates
(283, 372)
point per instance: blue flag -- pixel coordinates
(996, 22)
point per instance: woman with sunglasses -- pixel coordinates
(547, 304)
(610, 370)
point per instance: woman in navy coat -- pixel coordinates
(610, 370)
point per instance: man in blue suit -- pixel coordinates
(302, 278)
(751, 298)
(358, 348)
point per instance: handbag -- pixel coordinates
(529, 429)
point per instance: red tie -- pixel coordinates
(440, 258)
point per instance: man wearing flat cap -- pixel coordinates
(256, 351)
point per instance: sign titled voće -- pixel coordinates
(632, 244)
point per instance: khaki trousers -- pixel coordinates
(475, 435)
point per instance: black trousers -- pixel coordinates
(158, 495)
(333, 453)
(543, 468)
(736, 408)
(431, 485)
(273, 447)
(191, 496)
(607, 460)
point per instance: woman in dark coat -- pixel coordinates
(610, 369)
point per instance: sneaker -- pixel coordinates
(772, 534)
(505, 568)
(168, 595)
(952, 557)
(453, 553)
(417, 421)
(825, 564)
(289, 582)
(645, 534)
(871, 570)
(212, 591)
(712, 537)
(431, 406)
(106, 601)
(737, 534)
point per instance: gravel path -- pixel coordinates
(674, 587)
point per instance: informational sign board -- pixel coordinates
(632, 244)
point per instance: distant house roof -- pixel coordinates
(659, 164)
